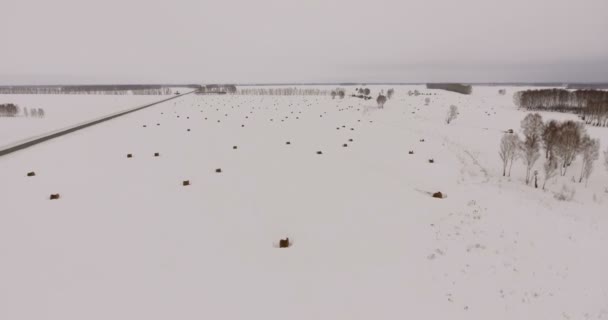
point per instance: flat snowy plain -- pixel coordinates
(127, 241)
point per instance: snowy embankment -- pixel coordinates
(127, 241)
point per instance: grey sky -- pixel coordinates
(76, 41)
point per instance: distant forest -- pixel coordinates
(94, 89)
(591, 105)
(454, 87)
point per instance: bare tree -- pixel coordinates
(509, 145)
(389, 93)
(550, 169)
(427, 100)
(568, 143)
(549, 137)
(532, 126)
(452, 114)
(590, 149)
(333, 94)
(381, 100)
(40, 112)
(341, 94)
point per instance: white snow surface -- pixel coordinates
(127, 241)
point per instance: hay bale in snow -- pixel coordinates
(284, 243)
(439, 195)
(129, 155)
(156, 154)
(218, 170)
(54, 196)
(186, 183)
(31, 174)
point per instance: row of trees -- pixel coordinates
(591, 105)
(34, 113)
(283, 91)
(13, 110)
(93, 89)
(454, 87)
(218, 88)
(562, 143)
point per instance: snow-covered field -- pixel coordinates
(62, 111)
(127, 241)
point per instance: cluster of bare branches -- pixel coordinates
(563, 142)
(339, 93)
(592, 105)
(9, 110)
(283, 91)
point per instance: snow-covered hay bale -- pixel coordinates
(439, 195)
(284, 243)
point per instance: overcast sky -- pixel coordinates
(262, 41)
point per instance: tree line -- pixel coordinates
(90, 89)
(454, 87)
(283, 91)
(13, 110)
(590, 105)
(562, 142)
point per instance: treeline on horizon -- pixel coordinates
(590, 105)
(454, 87)
(93, 89)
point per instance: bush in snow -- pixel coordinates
(390, 93)
(452, 114)
(427, 101)
(565, 194)
(550, 170)
(606, 158)
(502, 92)
(381, 100)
